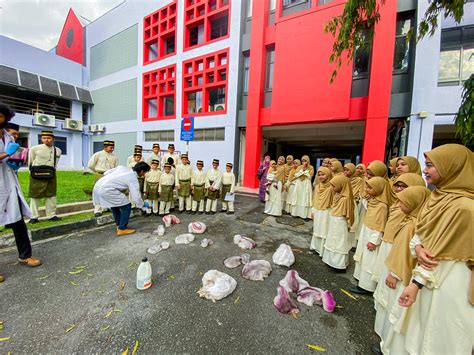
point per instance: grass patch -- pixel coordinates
(71, 185)
(43, 224)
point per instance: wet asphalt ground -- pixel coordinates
(99, 310)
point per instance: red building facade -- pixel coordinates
(301, 75)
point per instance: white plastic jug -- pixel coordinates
(144, 275)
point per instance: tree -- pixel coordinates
(359, 16)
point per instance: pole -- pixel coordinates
(187, 147)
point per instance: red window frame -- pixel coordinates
(204, 74)
(157, 28)
(157, 84)
(202, 12)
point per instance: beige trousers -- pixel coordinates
(50, 206)
(195, 206)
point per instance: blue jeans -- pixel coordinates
(121, 215)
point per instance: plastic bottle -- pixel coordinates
(144, 275)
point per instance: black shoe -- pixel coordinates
(55, 218)
(230, 212)
(33, 221)
(156, 214)
(98, 214)
(359, 291)
(213, 212)
(202, 212)
(180, 211)
(376, 349)
(223, 211)
(353, 249)
(208, 212)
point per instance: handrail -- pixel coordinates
(30, 107)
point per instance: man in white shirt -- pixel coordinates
(101, 162)
(108, 192)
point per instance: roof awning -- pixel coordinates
(48, 86)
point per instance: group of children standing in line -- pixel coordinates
(197, 190)
(414, 247)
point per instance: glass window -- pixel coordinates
(168, 105)
(196, 35)
(152, 51)
(217, 99)
(288, 3)
(246, 73)
(219, 27)
(467, 63)
(169, 45)
(152, 108)
(402, 46)
(456, 60)
(449, 65)
(272, 5)
(249, 8)
(195, 102)
(362, 59)
(159, 136)
(270, 69)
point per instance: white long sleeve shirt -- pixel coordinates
(108, 190)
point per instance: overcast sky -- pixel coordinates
(39, 22)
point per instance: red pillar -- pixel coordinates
(253, 143)
(380, 83)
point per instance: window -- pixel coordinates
(205, 84)
(170, 46)
(196, 35)
(270, 69)
(159, 93)
(272, 5)
(159, 136)
(324, 2)
(246, 72)
(456, 62)
(362, 57)
(402, 46)
(205, 21)
(219, 27)
(288, 3)
(249, 8)
(209, 134)
(159, 34)
(59, 142)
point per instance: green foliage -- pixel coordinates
(71, 185)
(352, 30)
(465, 117)
(448, 8)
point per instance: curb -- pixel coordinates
(8, 240)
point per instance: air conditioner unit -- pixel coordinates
(95, 128)
(74, 125)
(42, 119)
(219, 107)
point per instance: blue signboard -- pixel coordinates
(187, 129)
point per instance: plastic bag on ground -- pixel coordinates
(156, 248)
(256, 270)
(284, 256)
(185, 238)
(293, 282)
(216, 285)
(233, 262)
(196, 227)
(245, 258)
(244, 242)
(311, 295)
(205, 242)
(170, 219)
(284, 304)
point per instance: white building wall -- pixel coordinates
(21, 56)
(441, 103)
(132, 12)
